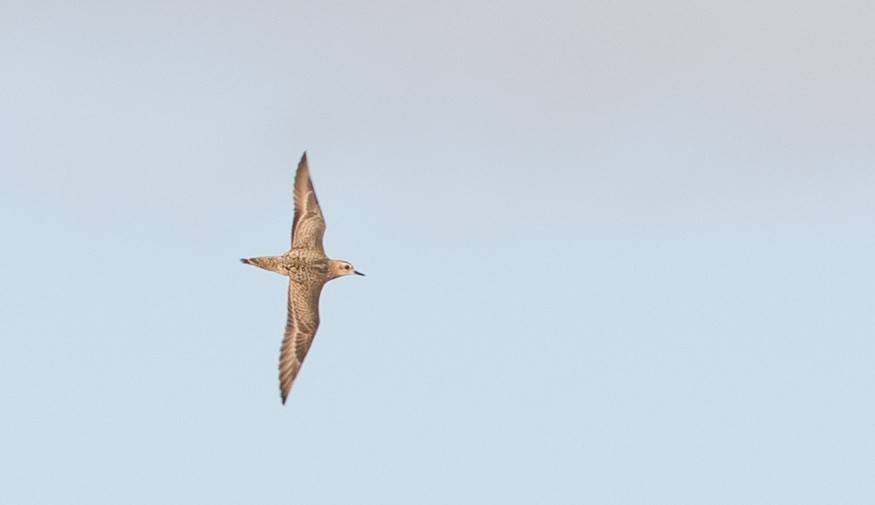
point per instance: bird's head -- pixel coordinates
(338, 268)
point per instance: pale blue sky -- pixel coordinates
(617, 252)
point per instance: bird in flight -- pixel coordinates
(308, 269)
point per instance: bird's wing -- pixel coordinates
(301, 326)
(308, 226)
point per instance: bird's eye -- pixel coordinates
(346, 267)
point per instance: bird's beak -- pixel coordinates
(358, 273)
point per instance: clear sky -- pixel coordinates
(616, 252)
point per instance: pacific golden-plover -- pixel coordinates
(308, 269)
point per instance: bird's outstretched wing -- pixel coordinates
(308, 226)
(301, 326)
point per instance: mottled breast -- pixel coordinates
(306, 266)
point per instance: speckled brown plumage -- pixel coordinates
(308, 269)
